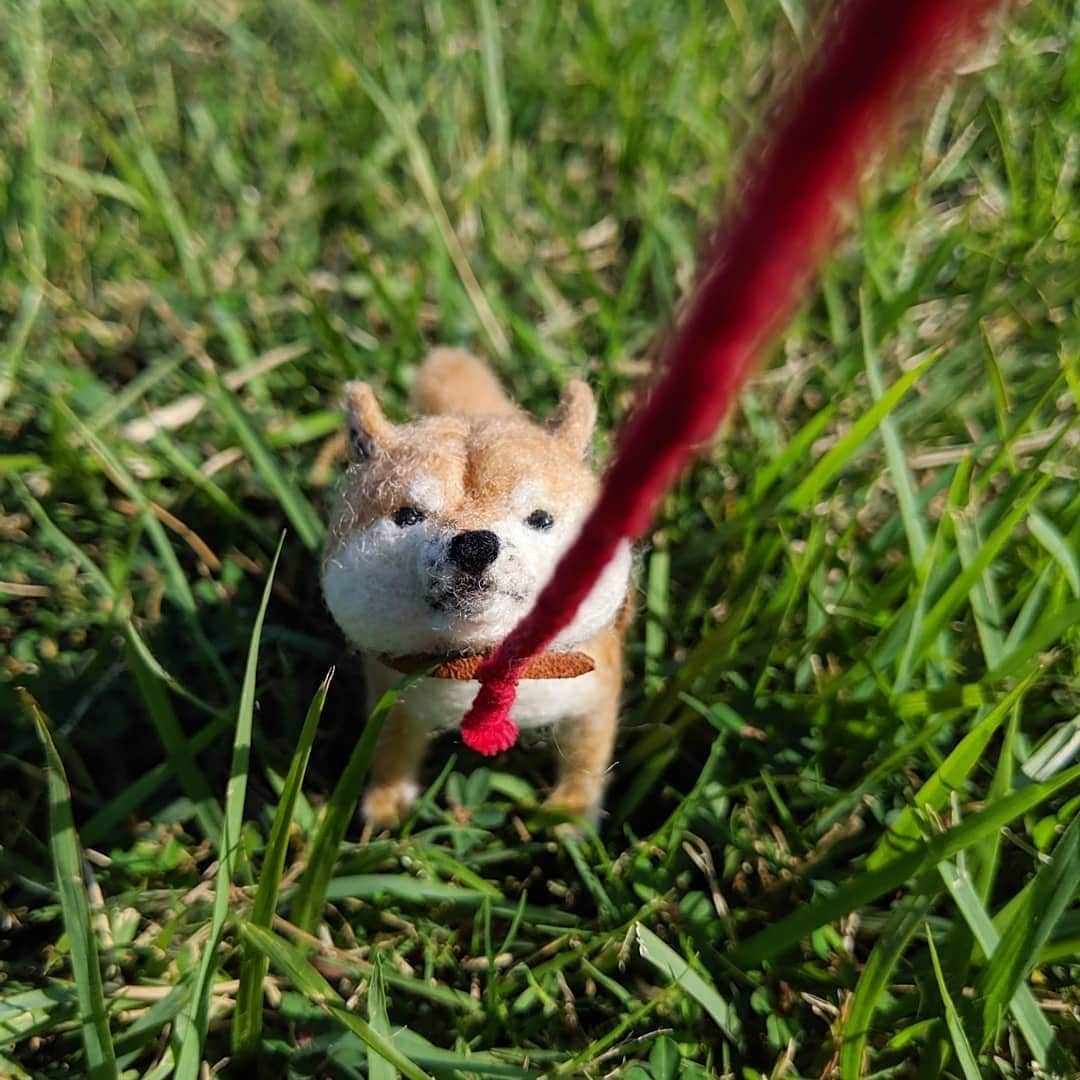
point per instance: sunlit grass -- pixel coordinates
(841, 834)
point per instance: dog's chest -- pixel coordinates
(442, 703)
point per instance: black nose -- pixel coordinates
(474, 550)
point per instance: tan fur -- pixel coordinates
(399, 754)
(456, 382)
(575, 417)
(478, 447)
(364, 409)
(584, 743)
(477, 461)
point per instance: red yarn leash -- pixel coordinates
(774, 234)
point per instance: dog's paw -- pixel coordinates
(575, 800)
(386, 805)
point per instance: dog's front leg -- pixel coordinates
(583, 745)
(395, 769)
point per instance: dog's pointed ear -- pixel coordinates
(573, 421)
(369, 430)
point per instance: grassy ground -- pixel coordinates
(842, 833)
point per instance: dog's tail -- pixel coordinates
(454, 381)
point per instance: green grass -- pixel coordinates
(842, 833)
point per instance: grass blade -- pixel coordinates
(869, 885)
(177, 746)
(907, 917)
(658, 607)
(293, 964)
(402, 122)
(29, 38)
(178, 587)
(498, 115)
(147, 1028)
(424, 892)
(906, 497)
(674, 968)
(96, 183)
(66, 547)
(11, 357)
(192, 1024)
(924, 578)
(247, 1021)
(35, 64)
(959, 1038)
(378, 1067)
(75, 909)
(1033, 920)
(238, 772)
(1045, 632)
(167, 205)
(1053, 754)
(446, 1063)
(985, 605)
(1034, 1026)
(953, 773)
(297, 508)
(986, 856)
(796, 450)
(147, 670)
(1058, 547)
(836, 458)
(8, 1068)
(323, 850)
(972, 573)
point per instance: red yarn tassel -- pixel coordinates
(877, 53)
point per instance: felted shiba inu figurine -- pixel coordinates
(444, 532)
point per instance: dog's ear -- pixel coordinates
(369, 430)
(573, 421)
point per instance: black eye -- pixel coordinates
(540, 519)
(406, 516)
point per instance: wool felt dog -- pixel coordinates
(444, 532)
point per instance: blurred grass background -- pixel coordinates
(854, 691)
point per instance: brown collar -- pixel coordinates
(548, 665)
